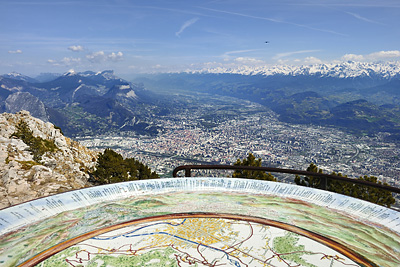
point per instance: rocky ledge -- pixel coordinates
(22, 178)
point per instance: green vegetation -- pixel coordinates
(111, 167)
(80, 121)
(160, 257)
(37, 145)
(27, 165)
(56, 127)
(286, 245)
(310, 181)
(251, 161)
(368, 193)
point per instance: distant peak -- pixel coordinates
(70, 72)
(108, 74)
(15, 74)
(18, 76)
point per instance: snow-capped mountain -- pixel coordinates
(349, 69)
(19, 77)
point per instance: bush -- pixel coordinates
(251, 161)
(37, 145)
(111, 167)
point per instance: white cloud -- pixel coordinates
(288, 54)
(53, 62)
(312, 60)
(376, 56)
(115, 56)
(76, 48)
(100, 56)
(227, 56)
(66, 61)
(249, 61)
(185, 25)
(96, 56)
(18, 51)
(352, 57)
(384, 55)
(282, 61)
(70, 60)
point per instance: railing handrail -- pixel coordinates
(324, 176)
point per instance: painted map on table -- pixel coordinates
(365, 229)
(193, 241)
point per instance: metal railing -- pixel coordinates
(324, 177)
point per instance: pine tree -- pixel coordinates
(111, 167)
(251, 161)
(309, 181)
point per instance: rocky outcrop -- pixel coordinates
(25, 101)
(23, 179)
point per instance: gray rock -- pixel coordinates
(25, 101)
(22, 179)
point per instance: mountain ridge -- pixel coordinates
(348, 69)
(306, 98)
(81, 102)
(90, 102)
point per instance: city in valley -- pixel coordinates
(215, 130)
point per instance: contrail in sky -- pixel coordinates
(272, 20)
(185, 25)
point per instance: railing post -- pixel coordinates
(187, 172)
(323, 183)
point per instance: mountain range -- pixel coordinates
(80, 103)
(348, 69)
(363, 98)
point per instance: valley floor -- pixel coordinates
(193, 137)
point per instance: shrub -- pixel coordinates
(111, 167)
(37, 145)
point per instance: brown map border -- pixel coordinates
(359, 259)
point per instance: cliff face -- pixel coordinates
(23, 179)
(25, 101)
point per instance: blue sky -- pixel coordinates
(133, 36)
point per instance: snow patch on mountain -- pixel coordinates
(79, 87)
(131, 94)
(71, 72)
(19, 76)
